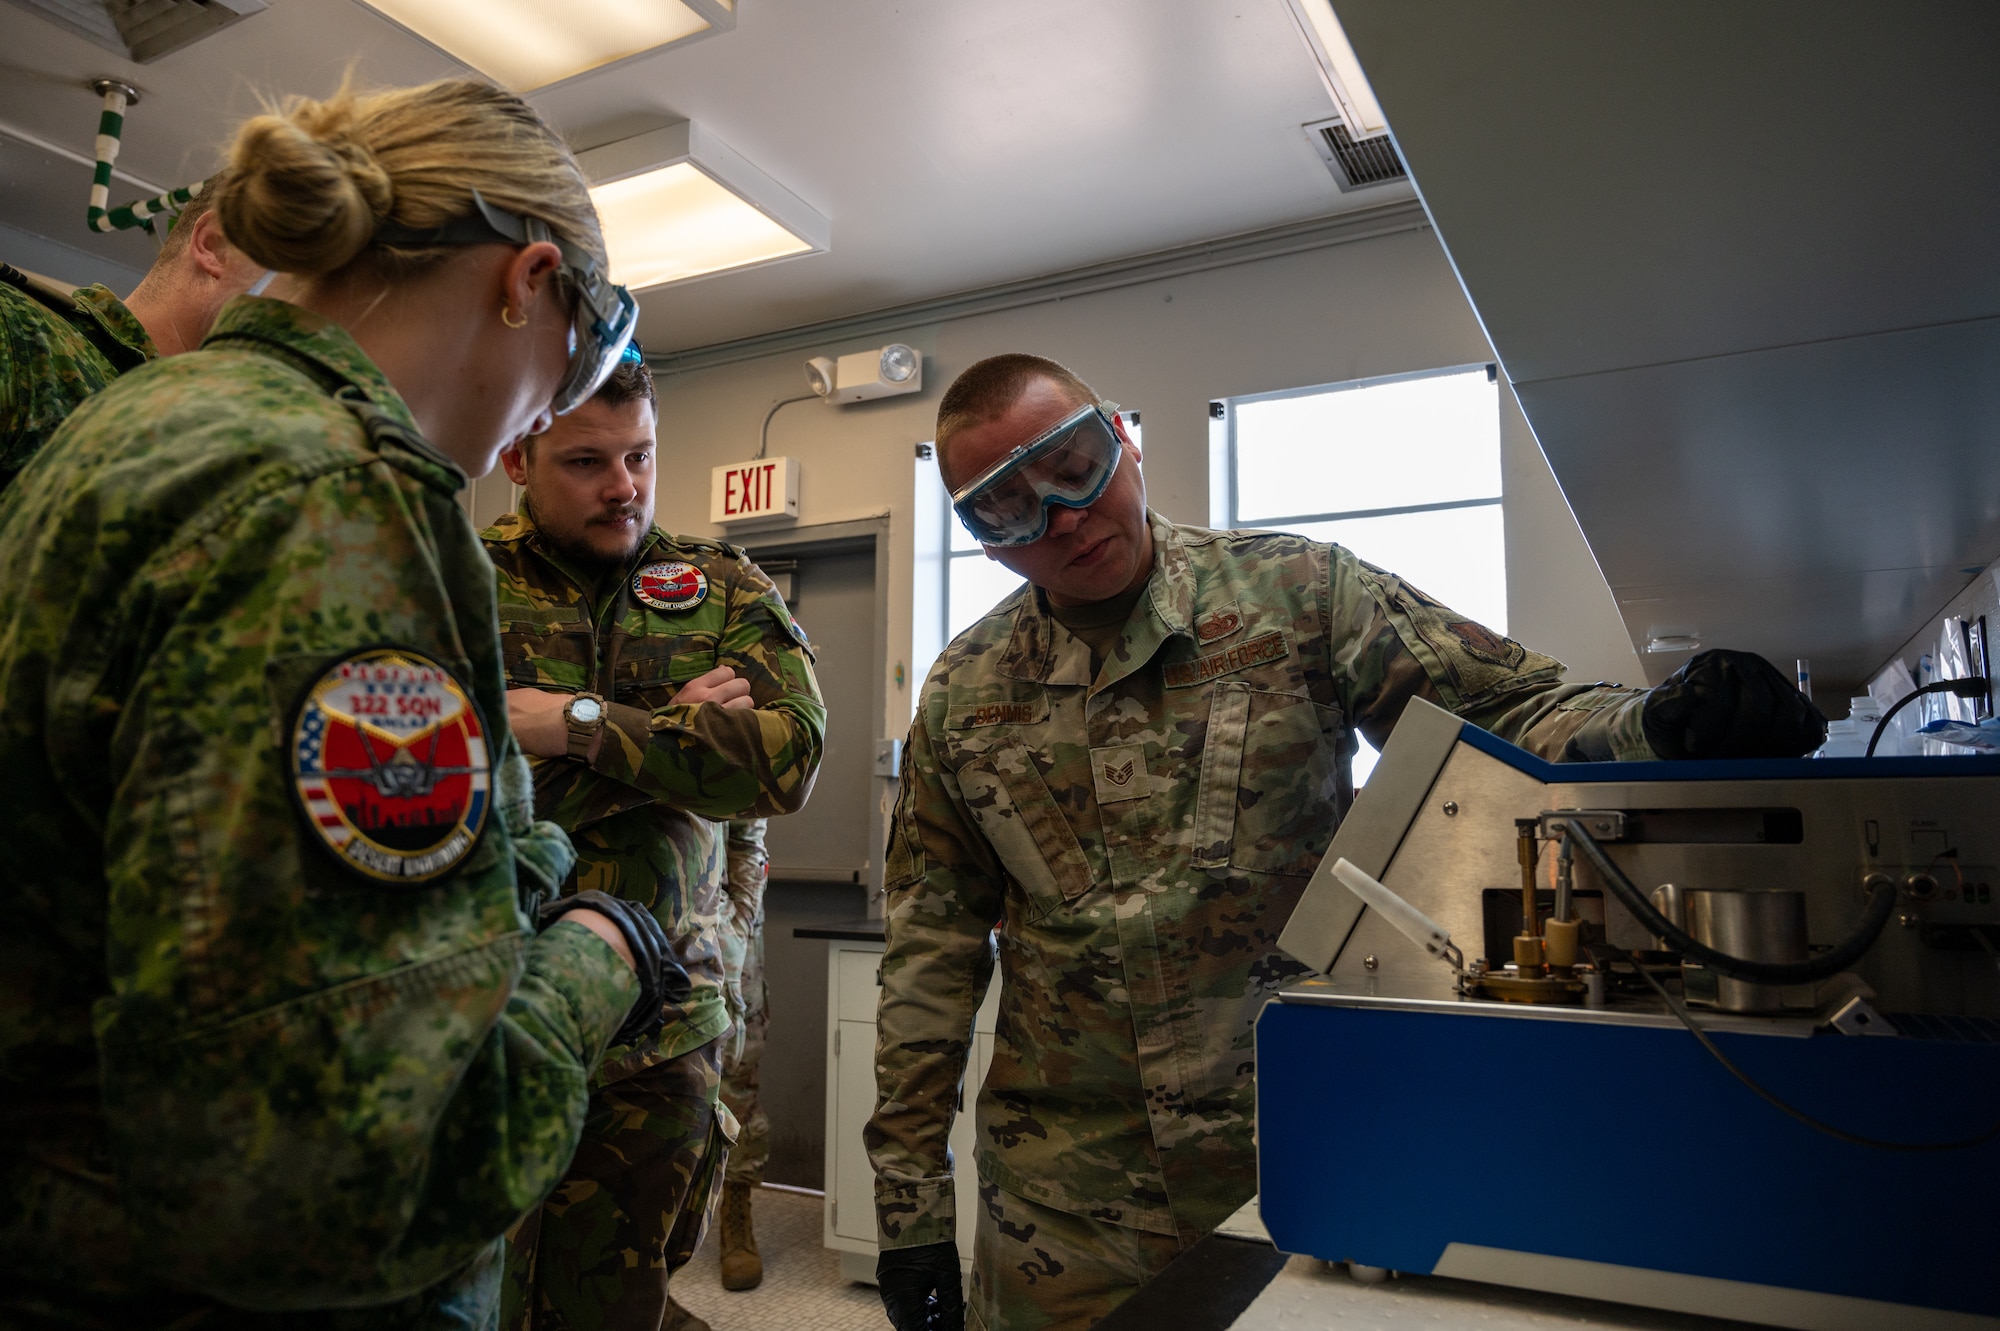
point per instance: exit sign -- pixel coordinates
(765, 488)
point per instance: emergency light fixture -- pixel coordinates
(525, 44)
(1339, 67)
(678, 203)
(884, 372)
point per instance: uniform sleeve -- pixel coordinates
(730, 763)
(945, 892)
(1392, 643)
(320, 1088)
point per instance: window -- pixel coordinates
(1404, 471)
(974, 584)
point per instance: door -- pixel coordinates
(833, 598)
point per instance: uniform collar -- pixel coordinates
(119, 323)
(517, 530)
(1042, 650)
(326, 349)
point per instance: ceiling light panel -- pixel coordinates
(526, 44)
(676, 223)
(677, 204)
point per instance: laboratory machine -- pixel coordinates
(1721, 1037)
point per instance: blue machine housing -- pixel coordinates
(1603, 1152)
(1387, 1136)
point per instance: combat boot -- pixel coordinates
(742, 1267)
(680, 1319)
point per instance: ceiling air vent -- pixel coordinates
(1355, 165)
(143, 30)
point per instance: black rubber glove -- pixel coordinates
(920, 1287)
(661, 979)
(1725, 704)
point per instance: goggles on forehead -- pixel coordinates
(601, 327)
(1069, 464)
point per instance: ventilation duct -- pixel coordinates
(142, 30)
(1355, 164)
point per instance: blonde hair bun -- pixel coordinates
(310, 183)
(304, 194)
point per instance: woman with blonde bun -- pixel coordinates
(280, 1041)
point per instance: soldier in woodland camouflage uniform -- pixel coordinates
(1130, 768)
(702, 706)
(279, 1046)
(57, 347)
(743, 962)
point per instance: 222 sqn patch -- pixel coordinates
(670, 586)
(390, 765)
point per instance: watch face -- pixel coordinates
(585, 711)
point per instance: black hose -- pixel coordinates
(1974, 687)
(1882, 901)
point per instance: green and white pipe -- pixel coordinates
(110, 127)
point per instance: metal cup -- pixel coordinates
(1767, 924)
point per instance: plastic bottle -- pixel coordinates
(1849, 738)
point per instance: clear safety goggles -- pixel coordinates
(605, 314)
(1070, 464)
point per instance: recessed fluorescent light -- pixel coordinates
(1339, 68)
(527, 44)
(677, 203)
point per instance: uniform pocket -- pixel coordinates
(649, 671)
(1269, 781)
(1020, 820)
(548, 656)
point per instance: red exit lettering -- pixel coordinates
(748, 489)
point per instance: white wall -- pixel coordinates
(1166, 347)
(64, 263)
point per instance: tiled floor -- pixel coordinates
(802, 1289)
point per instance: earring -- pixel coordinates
(507, 310)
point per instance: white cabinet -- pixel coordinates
(852, 972)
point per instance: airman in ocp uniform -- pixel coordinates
(749, 872)
(1125, 773)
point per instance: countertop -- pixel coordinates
(849, 931)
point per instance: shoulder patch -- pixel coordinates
(672, 585)
(390, 765)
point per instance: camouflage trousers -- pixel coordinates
(1035, 1267)
(631, 1210)
(743, 969)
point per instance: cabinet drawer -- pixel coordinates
(857, 969)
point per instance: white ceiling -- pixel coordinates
(954, 144)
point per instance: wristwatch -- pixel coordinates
(584, 715)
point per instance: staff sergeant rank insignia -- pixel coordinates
(670, 586)
(390, 765)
